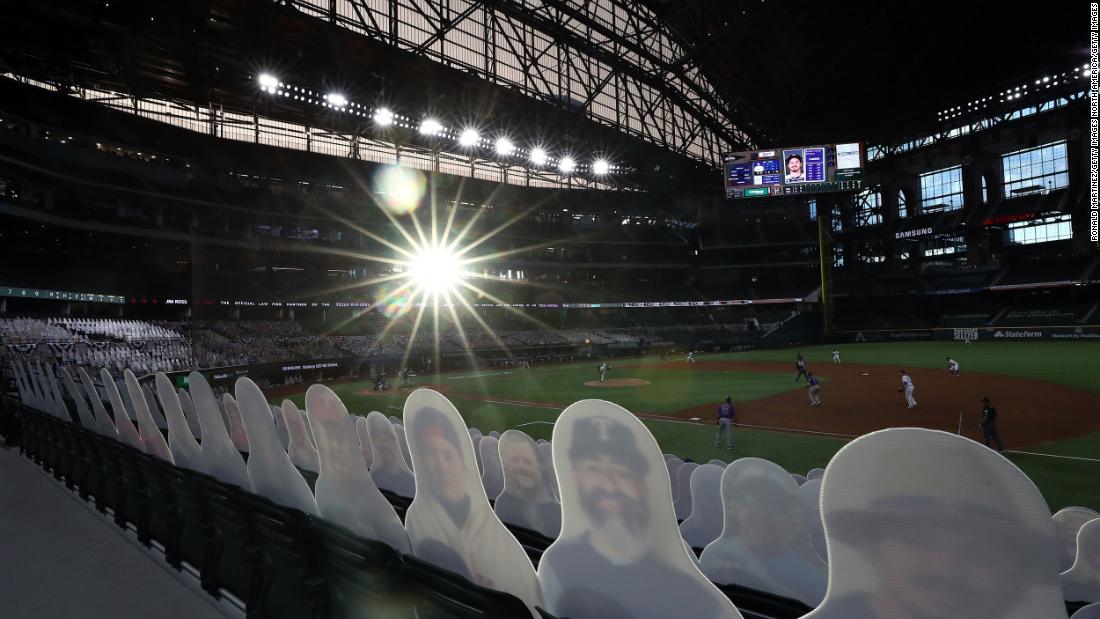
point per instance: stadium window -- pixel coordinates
(1044, 230)
(838, 255)
(941, 190)
(812, 204)
(947, 246)
(985, 190)
(1035, 169)
(868, 205)
(838, 221)
(903, 205)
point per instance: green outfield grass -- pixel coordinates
(1063, 481)
(1069, 363)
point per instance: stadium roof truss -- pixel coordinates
(611, 59)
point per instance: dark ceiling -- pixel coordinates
(829, 71)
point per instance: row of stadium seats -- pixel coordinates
(758, 484)
(63, 329)
(224, 343)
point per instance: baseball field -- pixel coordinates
(1047, 395)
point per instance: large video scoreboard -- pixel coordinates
(798, 170)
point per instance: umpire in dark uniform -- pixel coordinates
(800, 368)
(989, 425)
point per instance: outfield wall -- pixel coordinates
(1054, 333)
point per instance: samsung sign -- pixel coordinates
(908, 234)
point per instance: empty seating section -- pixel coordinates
(274, 548)
(1048, 316)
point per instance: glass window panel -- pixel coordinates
(1044, 166)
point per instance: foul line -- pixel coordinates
(509, 372)
(666, 418)
(1035, 453)
(479, 375)
(531, 423)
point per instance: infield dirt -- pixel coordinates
(1029, 411)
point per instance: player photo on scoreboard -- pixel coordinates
(794, 166)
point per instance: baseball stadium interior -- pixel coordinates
(491, 309)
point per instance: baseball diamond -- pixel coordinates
(631, 309)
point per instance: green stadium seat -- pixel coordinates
(362, 576)
(290, 579)
(436, 593)
(233, 560)
(160, 518)
(131, 503)
(192, 532)
(753, 603)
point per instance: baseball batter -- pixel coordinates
(813, 389)
(907, 388)
(836, 357)
(952, 367)
(603, 370)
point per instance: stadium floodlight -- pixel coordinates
(435, 269)
(504, 147)
(430, 126)
(567, 165)
(468, 138)
(383, 117)
(268, 82)
(538, 156)
(336, 99)
(601, 166)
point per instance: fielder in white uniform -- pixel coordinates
(603, 371)
(691, 358)
(952, 367)
(836, 357)
(908, 388)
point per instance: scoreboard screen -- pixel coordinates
(796, 170)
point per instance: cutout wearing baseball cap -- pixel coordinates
(620, 553)
(923, 524)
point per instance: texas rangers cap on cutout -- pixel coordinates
(597, 436)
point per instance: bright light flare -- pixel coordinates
(468, 138)
(601, 167)
(538, 156)
(268, 82)
(504, 147)
(399, 189)
(430, 126)
(336, 99)
(567, 165)
(435, 269)
(383, 117)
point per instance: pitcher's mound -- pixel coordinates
(618, 382)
